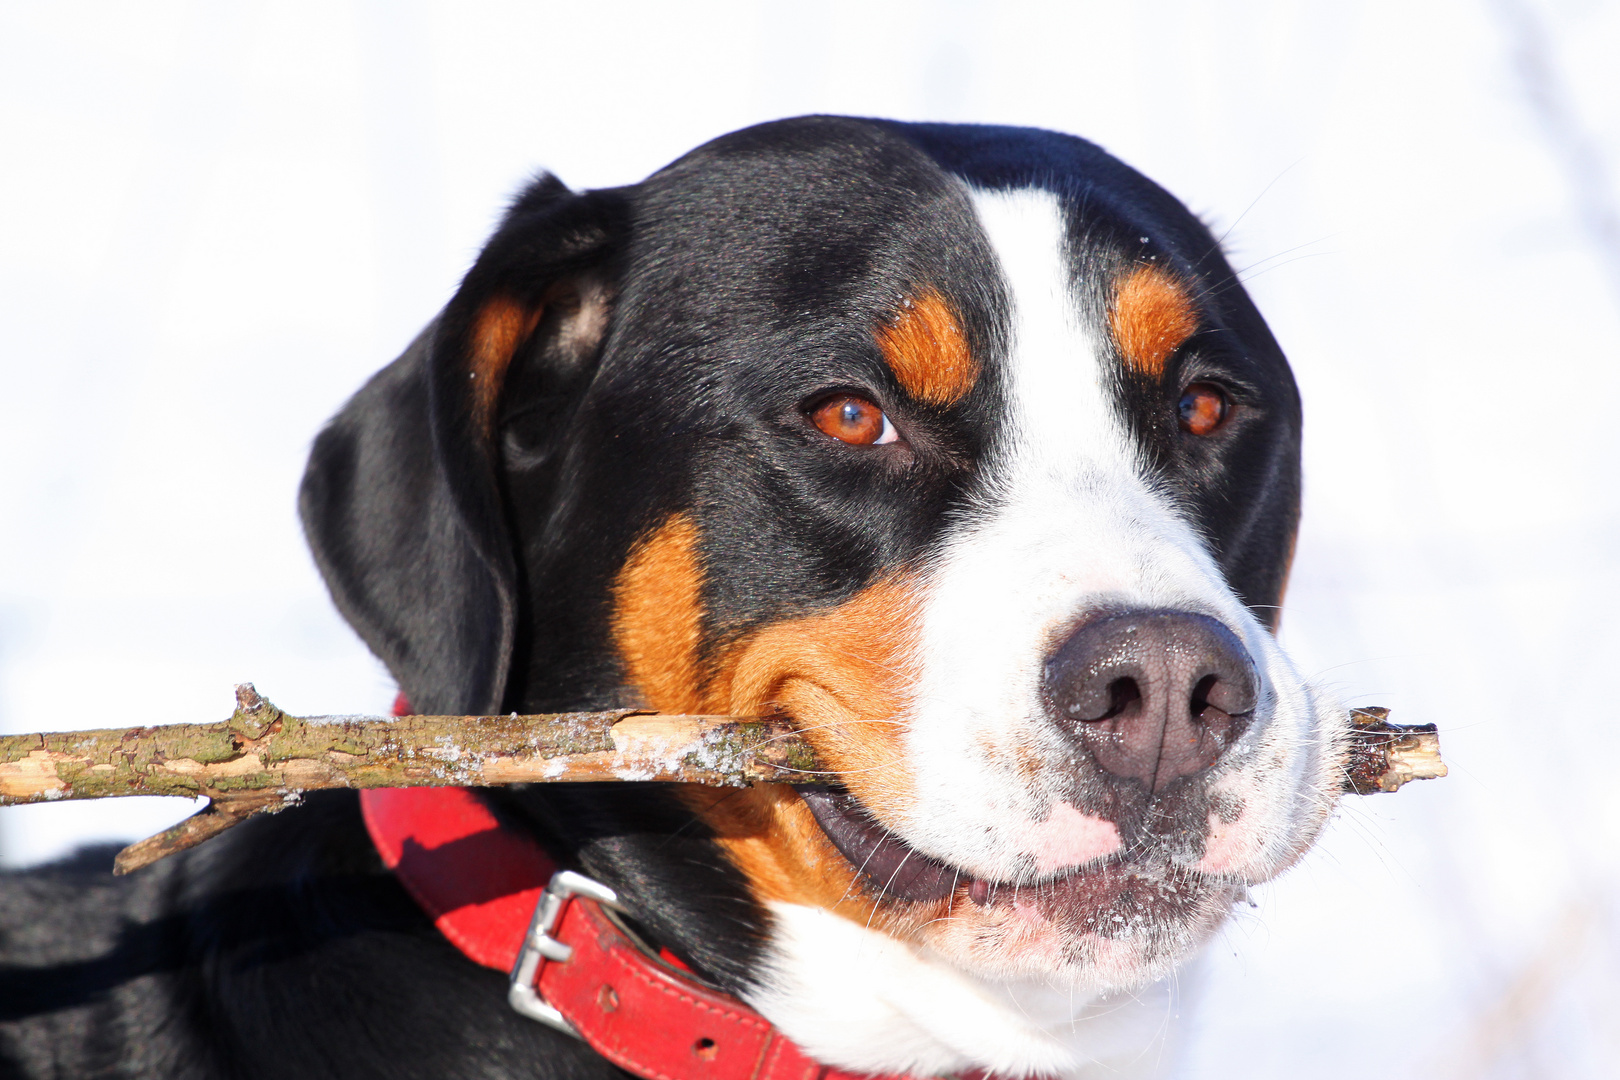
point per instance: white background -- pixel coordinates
(217, 219)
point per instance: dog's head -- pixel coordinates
(962, 448)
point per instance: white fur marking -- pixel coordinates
(858, 999)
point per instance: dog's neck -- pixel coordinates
(852, 998)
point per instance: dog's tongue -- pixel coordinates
(893, 866)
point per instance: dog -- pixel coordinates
(960, 448)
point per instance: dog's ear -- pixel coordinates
(401, 501)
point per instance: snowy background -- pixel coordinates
(217, 219)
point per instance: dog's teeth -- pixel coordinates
(979, 892)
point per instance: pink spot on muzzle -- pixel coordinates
(1229, 846)
(1069, 838)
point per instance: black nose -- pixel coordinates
(1154, 695)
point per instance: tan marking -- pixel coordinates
(845, 678)
(1151, 316)
(842, 676)
(501, 326)
(927, 352)
(657, 617)
(770, 835)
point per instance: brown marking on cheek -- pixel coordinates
(1151, 316)
(845, 677)
(658, 615)
(770, 835)
(927, 351)
(500, 326)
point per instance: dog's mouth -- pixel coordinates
(896, 868)
(1099, 898)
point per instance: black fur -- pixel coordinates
(688, 323)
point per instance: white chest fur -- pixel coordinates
(861, 1000)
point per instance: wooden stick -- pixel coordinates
(1383, 756)
(260, 748)
(262, 760)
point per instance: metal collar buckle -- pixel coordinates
(523, 993)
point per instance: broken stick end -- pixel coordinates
(1384, 756)
(205, 824)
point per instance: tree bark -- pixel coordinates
(1383, 756)
(261, 760)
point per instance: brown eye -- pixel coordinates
(1203, 408)
(854, 420)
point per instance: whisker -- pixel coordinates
(884, 891)
(1279, 266)
(861, 869)
(866, 660)
(693, 817)
(839, 772)
(1277, 255)
(1256, 202)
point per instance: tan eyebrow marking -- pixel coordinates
(1151, 316)
(927, 351)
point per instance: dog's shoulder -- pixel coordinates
(80, 956)
(281, 949)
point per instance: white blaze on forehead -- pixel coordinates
(1060, 398)
(1068, 521)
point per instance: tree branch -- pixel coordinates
(262, 760)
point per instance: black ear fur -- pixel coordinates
(401, 500)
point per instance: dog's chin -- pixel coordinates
(1115, 924)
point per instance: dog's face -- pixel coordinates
(961, 448)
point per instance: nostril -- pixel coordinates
(1118, 697)
(1214, 716)
(1199, 700)
(1123, 696)
(1232, 694)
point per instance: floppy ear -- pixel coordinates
(401, 501)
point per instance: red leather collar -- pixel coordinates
(480, 882)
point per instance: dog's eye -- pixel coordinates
(1203, 408)
(855, 420)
